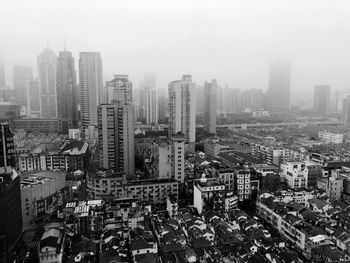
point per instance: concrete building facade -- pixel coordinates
(91, 86)
(116, 137)
(182, 110)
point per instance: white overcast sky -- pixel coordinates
(232, 41)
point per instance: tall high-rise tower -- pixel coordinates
(148, 104)
(209, 118)
(116, 127)
(163, 109)
(279, 86)
(47, 83)
(182, 109)
(116, 137)
(322, 95)
(22, 75)
(91, 86)
(34, 98)
(345, 114)
(66, 91)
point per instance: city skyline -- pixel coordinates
(239, 58)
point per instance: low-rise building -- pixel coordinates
(274, 154)
(213, 148)
(330, 137)
(51, 245)
(163, 158)
(73, 155)
(108, 185)
(333, 185)
(208, 194)
(171, 205)
(295, 174)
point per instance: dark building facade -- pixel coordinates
(7, 148)
(10, 218)
(36, 124)
(67, 96)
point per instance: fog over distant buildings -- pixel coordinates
(232, 41)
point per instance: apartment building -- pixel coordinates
(295, 174)
(242, 183)
(108, 185)
(74, 155)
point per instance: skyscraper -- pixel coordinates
(162, 109)
(116, 137)
(252, 99)
(2, 74)
(148, 105)
(345, 114)
(199, 99)
(279, 86)
(34, 99)
(231, 100)
(91, 86)
(340, 96)
(47, 83)
(116, 127)
(22, 75)
(182, 110)
(66, 92)
(209, 117)
(322, 95)
(120, 89)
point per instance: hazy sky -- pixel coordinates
(232, 41)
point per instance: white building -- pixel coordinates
(182, 109)
(207, 193)
(171, 205)
(51, 245)
(330, 137)
(274, 154)
(295, 174)
(242, 177)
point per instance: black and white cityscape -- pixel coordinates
(174, 131)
